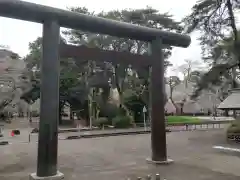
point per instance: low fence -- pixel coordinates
(235, 137)
(200, 125)
(194, 125)
(184, 126)
(205, 124)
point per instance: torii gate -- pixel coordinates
(52, 19)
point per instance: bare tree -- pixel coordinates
(172, 82)
(186, 69)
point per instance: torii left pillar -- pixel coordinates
(158, 100)
(49, 105)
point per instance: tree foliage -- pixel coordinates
(219, 40)
(82, 81)
(11, 79)
(172, 81)
(124, 77)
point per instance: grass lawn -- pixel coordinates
(181, 119)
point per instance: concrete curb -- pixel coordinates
(106, 134)
(88, 130)
(82, 130)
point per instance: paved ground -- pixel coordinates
(124, 156)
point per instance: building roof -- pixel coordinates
(232, 101)
(206, 101)
(4, 53)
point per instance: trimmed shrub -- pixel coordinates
(135, 104)
(16, 132)
(100, 122)
(121, 122)
(108, 110)
(234, 127)
(35, 114)
(35, 130)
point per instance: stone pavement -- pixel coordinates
(116, 158)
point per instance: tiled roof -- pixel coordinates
(232, 101)
(205, 101)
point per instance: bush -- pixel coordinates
(108, 110)
(16, 132)
(5, 115)
(35, 130)
(135, 104)
(34, 114)
(100, 122)
(234, 127)
(121, 122)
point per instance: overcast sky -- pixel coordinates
(17, 34)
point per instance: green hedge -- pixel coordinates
(234, 127)
(121, 122)
(35, 113)
(100, 122)
(181, 119)
(109, 110)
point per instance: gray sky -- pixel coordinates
(17, 34)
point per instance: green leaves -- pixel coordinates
(219, 40)
(147, 17)
(78, 77)
(216, 76)
(223, 57)
(205, 14)
(212, 18)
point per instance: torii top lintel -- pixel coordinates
(38, 13)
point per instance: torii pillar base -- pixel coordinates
(58, 176)
(166, 162)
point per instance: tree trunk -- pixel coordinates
(60, 113)
(71, 116)
(60, 118)
(171, 98)
(226, 113)
(119, 86)
(176, 107)
(181, 109)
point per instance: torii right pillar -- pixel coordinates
(157, 101)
